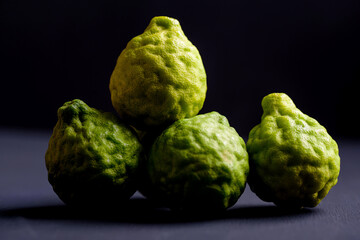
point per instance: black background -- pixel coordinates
(54, 51)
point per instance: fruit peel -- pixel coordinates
(92, 157)
(294, 162)
(198, 163)
(159, 77)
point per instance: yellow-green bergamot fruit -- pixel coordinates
(198, 164)
(92, 157)
(294, 162)
(159, 77)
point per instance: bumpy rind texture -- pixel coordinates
(198, 164)
(294, 162)
(159, 77)
(92, 158)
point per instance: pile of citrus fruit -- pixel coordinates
(160, 145)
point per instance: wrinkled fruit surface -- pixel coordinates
(293, 160)
(198, 163)
(92, 158)
(159, 77)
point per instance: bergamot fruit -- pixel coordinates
(159, 77)
(92, 157)
(294, 162)
(198, 164)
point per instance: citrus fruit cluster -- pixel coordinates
(160, 145)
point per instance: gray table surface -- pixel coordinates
(29, 209)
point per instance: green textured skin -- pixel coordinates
(198, 163)
(294, 162)
(92, 157)
(159, 77)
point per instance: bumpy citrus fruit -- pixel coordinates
(92, 158)
(198, 163)
(159, 77)
(294, 162)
